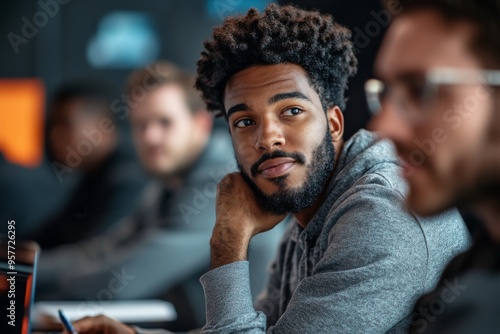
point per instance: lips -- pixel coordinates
(276, 167)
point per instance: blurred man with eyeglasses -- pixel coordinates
(437, 100)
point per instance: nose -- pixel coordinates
(389, 124)
(270, 135)
(152, 134)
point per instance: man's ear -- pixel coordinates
(335, 120)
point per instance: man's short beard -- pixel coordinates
(294, 200)
(484, 189)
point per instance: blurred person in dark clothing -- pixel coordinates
(83, 143)
(163, 247)
(439, 103)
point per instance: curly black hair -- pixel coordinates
(280, 34)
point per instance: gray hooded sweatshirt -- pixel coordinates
(358, 266)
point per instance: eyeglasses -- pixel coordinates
(413, 97)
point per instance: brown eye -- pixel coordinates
(243, 123)
(292, 112)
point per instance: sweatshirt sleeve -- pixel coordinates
(229, 301)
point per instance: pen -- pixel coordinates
(66, 323)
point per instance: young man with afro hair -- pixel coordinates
(353, 260)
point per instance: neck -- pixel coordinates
(305, 216)
(98, 158)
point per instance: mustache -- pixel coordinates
(299, 157)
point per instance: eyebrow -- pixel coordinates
(408, 76)
(272, 100)
(283, 96)
(412, 77)
(236, 108)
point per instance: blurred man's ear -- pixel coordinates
(335, 120)
(204, 120)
